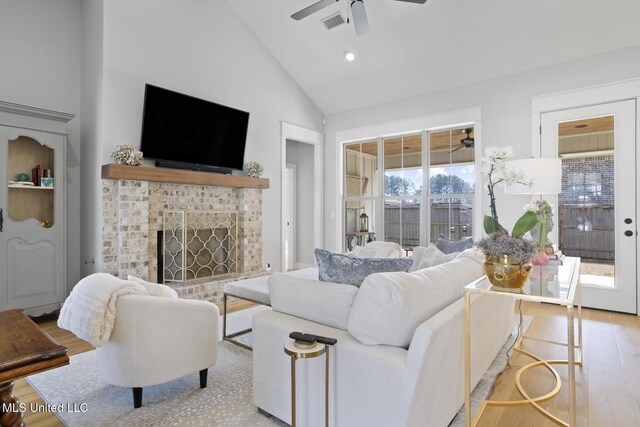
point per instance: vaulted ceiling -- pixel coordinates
(414, 49)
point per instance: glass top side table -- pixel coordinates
(552, 284)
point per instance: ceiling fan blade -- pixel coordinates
(414, 1)
(459, 148)
(359, 14)
(312, 9)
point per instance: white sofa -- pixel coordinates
(418, 381)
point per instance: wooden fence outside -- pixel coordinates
(575, 238)
(459, 227)
(595, 244)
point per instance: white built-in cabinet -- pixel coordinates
(32, 231)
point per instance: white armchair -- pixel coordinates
(157, 339)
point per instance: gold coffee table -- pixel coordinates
(307, 353)
(559, 285)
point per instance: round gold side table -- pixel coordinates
(307, 353)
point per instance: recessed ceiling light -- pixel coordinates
(581, 126)
(349, 56)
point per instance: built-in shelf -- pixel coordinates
(29, 187)
(179, 176)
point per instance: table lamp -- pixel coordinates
(546, 175)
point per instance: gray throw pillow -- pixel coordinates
(448, 246)
(338, 268)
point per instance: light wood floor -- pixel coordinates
(608, 386)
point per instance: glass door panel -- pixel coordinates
(586, 206)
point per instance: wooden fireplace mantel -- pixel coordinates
(179, 176)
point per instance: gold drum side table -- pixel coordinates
(307, 353)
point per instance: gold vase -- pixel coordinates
(503, 272)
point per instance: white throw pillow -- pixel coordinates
(473, 254)
(322, 302)
(390, 306)
(373, 253)
(355, 251)
(155, 289)
(430, 256)
(377, 249)
(446, 258)
(385, 249)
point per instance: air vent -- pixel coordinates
(333, 21)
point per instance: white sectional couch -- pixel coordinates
(399, 359)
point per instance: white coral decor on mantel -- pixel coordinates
(253, 169)
(127, 155)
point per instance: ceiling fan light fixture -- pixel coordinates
(349, 56)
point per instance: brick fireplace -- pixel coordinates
(133, 212)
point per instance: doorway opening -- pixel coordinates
(302, 206)
(300, 224)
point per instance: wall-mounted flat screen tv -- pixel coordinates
(187, 132)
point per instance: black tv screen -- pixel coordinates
(192, 131)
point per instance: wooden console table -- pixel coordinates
(25, 350)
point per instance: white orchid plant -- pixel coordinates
(500, 174)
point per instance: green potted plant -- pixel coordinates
(544, 212)
(507, 255)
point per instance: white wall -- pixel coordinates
(506, 116)
(203, 49)
(40, 66)
(301, 155)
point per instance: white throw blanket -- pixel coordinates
(90, 310)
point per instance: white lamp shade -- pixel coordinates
(545, 173)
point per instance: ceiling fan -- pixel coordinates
(466, 142)
(358, 12)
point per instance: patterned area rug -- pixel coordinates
(227, 400)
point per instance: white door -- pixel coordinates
(289, 216)
(596, 211)
(32, 251)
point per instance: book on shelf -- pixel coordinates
(37, 173)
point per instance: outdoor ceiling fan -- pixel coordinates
(358, 12)
(466, 142)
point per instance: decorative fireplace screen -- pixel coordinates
(197, 245)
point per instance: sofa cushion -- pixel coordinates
(473, 254)
(325, 303)
(155, 289)
(448, 246)
(429, 256)
(340, 268)
(377, 249)
(445, 258)
(389, 306)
